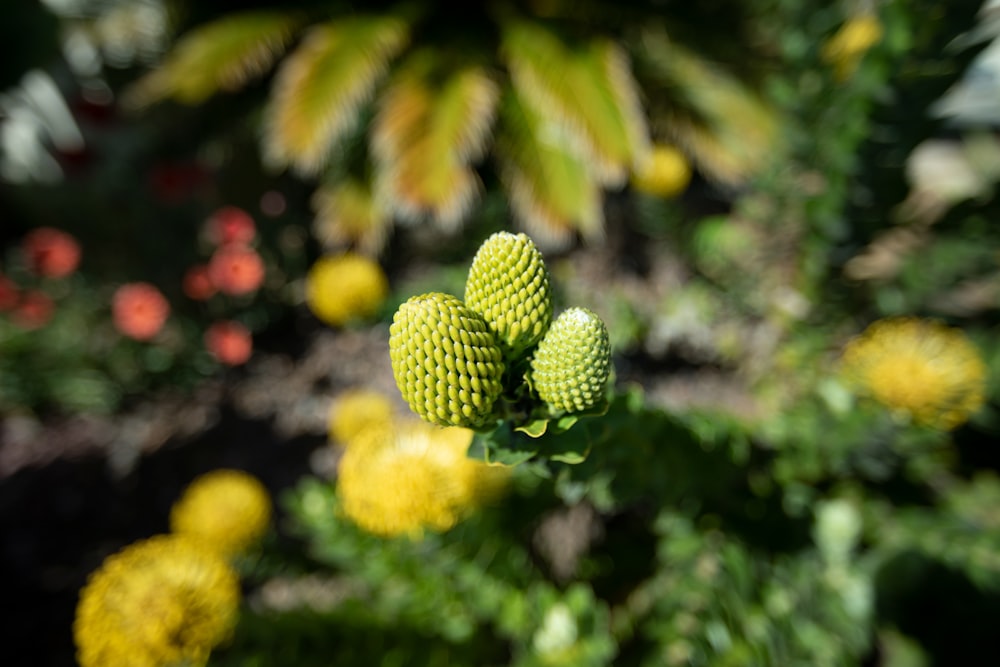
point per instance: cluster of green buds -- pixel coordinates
(496, 354)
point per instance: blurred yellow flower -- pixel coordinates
(341, 288)
(229, 510)
(666, 172)
(412, 476)
(920, 367)
(162, 601)
(355, 410)
(849, 44)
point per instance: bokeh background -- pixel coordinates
(209, 213)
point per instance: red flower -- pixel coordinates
(139, 310)
(9, 293)
(51, 253)
(236, 269)
(197, 283)
(230, 224)
(34, 310)
(229, 342)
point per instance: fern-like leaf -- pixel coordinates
(348, 214)
(223, 55)
(321, 86)
(590, 89)
(553, 194)
(431, 126)
(729, 131)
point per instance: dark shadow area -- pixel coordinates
(954, 621)
(60, 521)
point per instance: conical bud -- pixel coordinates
(445, 360)
(572, 363)
(508, 285)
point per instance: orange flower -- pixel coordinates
(229, 342)
(34, 310)
(230, 224)
(139, 310)
(197, 284)
(51, 253)
(236, 269)
(9, 293)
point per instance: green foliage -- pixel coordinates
(715, 601)
(586, 125)
(55, 369)
(959, 530)
(223, 55)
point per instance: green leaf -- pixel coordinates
(571, 458)
(500, 447)
(432, 124)
(222, 55)
(534, 429)
(730, 131)
(588, 89)
(552, 192)
(509, 457)
(570, 446)
(565, 423)
(321, 86)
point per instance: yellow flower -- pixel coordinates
(666, 173)
(342, 288)
(919, 367)
(162, 601)
(412, 476)
(849, 44)
(355, 410)
(229, 510)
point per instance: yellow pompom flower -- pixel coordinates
(414, 476)
(162, 601)
(919, 367)
(347, 287)
(849, 44)
(356, 410)
(665, 173)
(229, 510)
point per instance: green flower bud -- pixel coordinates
(445, 360)
(508, 285)
(572, 363)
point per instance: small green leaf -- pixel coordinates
(508, 457)
(501, 446)
(565, 423)
(570, 447)
(571, 458)
(534, 428)
(537, 468)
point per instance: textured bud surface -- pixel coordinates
(508, 285)
(445, 360)
(573, 362)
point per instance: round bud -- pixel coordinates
(508, 284)
(572, 363)
(445, 360)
